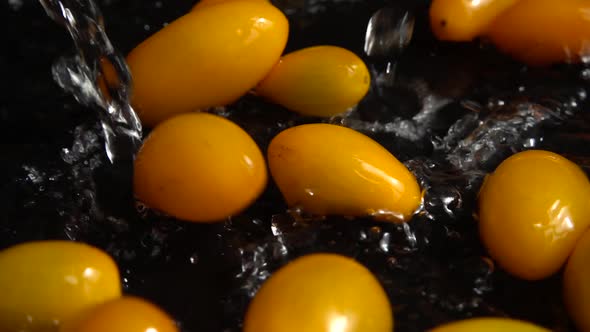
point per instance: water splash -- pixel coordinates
(97, 75)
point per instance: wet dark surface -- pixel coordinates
(433, 268)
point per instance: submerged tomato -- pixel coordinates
(576, 284)
(45, 283)
(333, 170)
(317, 81)
(199, 167)
(541, 32)
(460, 20)
(320, 293)
(489, 325)
(208, 57)
(532, 210)
(126, 314)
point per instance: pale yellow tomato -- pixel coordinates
(489, 325)
(44, 283)
(461, 20)
(199, 167)
(208, 57)
(541, 32)
(320, 293)
(576, 284)
(126, 314)
(333, 170)
(532, 210)
(317, 81)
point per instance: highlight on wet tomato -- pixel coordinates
(317, 81)
(47, 282)
(327, 169)
(126, 314)
(460, 20)
(320, 293)
(576, 284)
(199, 167)
(541, 32)
(489, 325)
(226, 50)
(532, 210)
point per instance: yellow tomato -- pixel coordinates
(208, 57)
(541, 32)
(126, 314)
(44, 283)
(199, 167)
(332, 170)
(461, 20)
(532, 210)
(576, 284)
(317, 81)
(489, 325)
(320, 293)
(203, 3)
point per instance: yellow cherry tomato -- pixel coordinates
(320, 293)
(489, 325)
(576, 283)
(532, 210)
(199, 167)
(208, 57)
(332, 170)
(203, 3)
(44, 283)
(461, 20)
(126, 314)
(540, 32)
(317, 81)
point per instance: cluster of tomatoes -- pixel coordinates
(199, 167)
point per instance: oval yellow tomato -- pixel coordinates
(199, 167)
(320, 293)
(489, 325)
(126, 314)
(576, 283)
(541, 32)
(208, 57)
(44, 283)
(460, 20)
(317, 81)
(332, 170)
(532, 210)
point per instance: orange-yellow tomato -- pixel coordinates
(489, 325)
(540, 32)
(576, 284)
(208, 57)
(464, 20)
(47, 282)
(199, 167)
(317, 81)
(320, 293)
(126, 314)
(333, 170)
(532, 210)
(203, 3)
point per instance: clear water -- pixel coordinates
(449, 120)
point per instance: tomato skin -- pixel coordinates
(208, 57)
(532, 210)
(576, 288)
(317, 81)
(489, 325)
(44, 283)
(333, 170)
(320, 293)
(199, 167)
